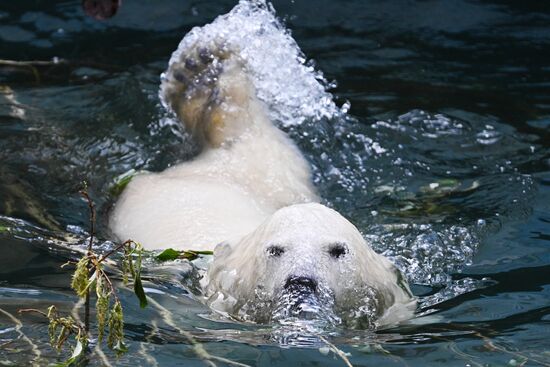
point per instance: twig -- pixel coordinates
(470, 358)
(91, 207)
(336, 350)
(6, 343)
(75, 311)
(35, 66)
(75, 328)
(110, 284)
(149, 359)
(197, 346)
(31, 63)
(18, 326)
(504, 350)
(24, 310)
(104, 257)
(104, 360)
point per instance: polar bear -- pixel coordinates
(281, 254)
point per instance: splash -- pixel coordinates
(428, 254)
(295, 306)
(291, 87)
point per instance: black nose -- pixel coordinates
(301, 283)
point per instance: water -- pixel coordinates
(442, 161)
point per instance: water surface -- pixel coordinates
(442, 161)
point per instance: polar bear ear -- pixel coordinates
(223, 249)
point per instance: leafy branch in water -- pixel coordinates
(59, 330)
(171, 254)
(90, 278)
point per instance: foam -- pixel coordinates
(293, 90)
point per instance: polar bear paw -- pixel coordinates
(197, 69)
(197, 84)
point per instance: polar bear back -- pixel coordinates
(222, 194)
(191, 213)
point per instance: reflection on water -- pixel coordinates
(443, 162)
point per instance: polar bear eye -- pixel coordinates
(337, 250)
(275, 251)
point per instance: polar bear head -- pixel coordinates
(307, 261)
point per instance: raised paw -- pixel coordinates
(208, 88)
(196, 70)
(189, 86)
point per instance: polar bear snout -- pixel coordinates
(300, 284)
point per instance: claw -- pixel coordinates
(191, 64)
(180, 77)
(205, 55)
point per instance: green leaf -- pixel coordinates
(140, 293)
(121, 182)
(120, 348)
(77, 352)
(168, 255)
(4, 229)
(80, 282)
(103, 294)
(116, 328)
(171, 254)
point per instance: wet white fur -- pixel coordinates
(244, 270)
(247, 189)
(226, 191)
